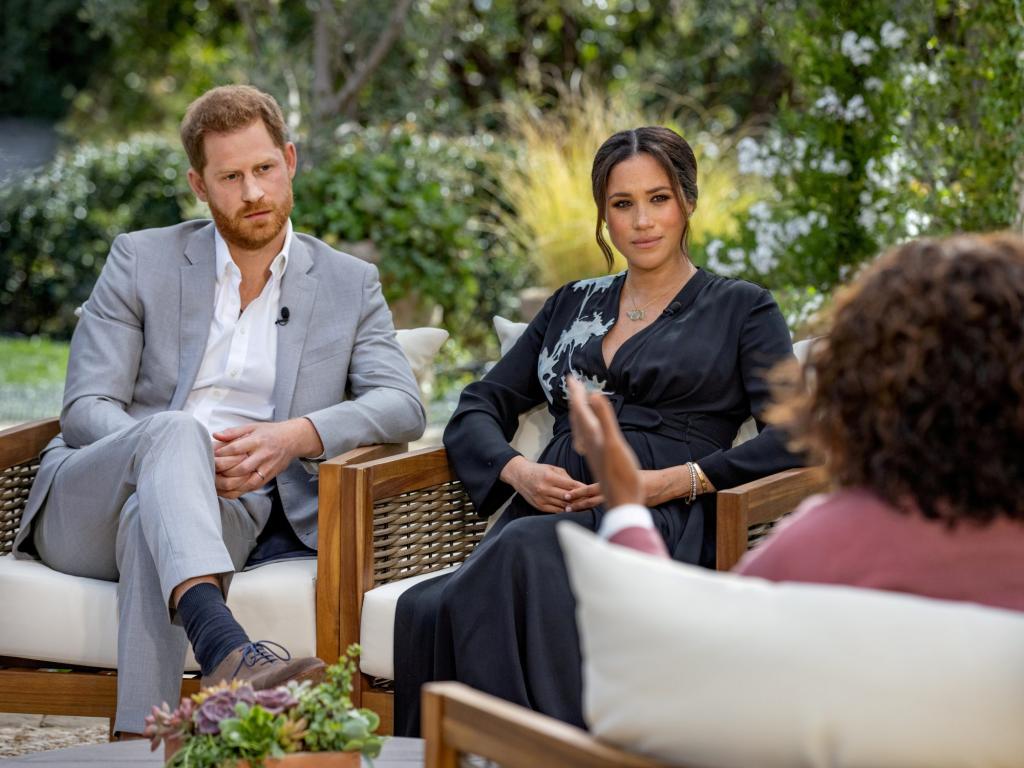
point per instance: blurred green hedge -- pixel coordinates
(425, 202)
(431, 207)
(56, 227)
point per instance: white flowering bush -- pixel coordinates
(905, 120)
(819, 157)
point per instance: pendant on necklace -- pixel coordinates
(636, 314)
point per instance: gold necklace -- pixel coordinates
(637, 313)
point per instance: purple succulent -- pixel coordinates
(276, 700)
(163, 724)
(220, 706)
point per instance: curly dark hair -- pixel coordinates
(917, 391)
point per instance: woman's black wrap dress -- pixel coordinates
(505, 622)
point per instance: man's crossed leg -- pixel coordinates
(140, 506)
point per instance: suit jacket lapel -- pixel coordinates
(298, 292)
(198, 290)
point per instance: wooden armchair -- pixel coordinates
(407, 515)
(460, 722)
(48, 686)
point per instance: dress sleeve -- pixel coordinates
(764, 341)
(487, 417)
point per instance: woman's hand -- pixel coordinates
(596, 436)
(545, 487)
(661, 485)
(657, 487)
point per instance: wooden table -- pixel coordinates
(397, 753)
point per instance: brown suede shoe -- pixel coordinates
(262, 667)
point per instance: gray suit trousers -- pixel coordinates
(140, 507)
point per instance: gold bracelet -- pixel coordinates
(705, 484)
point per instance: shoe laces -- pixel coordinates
(261, 653)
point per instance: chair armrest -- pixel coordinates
(458, 719)
(329, 537)
(761, 501)
(23, 443)
(399, 516)
(366, 453)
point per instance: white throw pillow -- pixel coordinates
(537, 424)
(748, 429)
(718, 670)
(421, 346)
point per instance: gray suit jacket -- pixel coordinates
(140, 340)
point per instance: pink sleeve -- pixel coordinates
(643, 539)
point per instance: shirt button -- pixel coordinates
(234, 374)
(242, 331)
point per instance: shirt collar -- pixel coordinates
(277, 266)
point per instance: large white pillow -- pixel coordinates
(537, 424)
(718, 670)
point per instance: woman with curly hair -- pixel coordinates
(915, 401)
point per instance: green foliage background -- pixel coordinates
(427, 203)
(905, 119)
(857, 124)
(56, 227)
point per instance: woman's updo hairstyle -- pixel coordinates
(664, 145)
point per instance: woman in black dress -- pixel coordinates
(681, 354)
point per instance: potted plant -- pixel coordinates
(294, 726)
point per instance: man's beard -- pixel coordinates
(248, 235)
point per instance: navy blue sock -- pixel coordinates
(210, 627)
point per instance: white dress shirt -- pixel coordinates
(624, 516)
(235, 384)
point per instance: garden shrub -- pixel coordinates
(427, 203)
(895, 129)
(56, 227)
(430, 205)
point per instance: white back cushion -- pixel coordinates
(537, 424)
(718, 670)
(421, 346)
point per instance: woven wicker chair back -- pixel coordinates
(15, 483)
(423, 531)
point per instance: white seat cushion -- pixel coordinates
(715, 669)
(377, 628)
(71, 620)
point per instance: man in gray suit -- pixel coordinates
(214, 365)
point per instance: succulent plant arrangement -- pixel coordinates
(232, 724)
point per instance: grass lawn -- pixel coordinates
(31, 378)
(32, 361)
